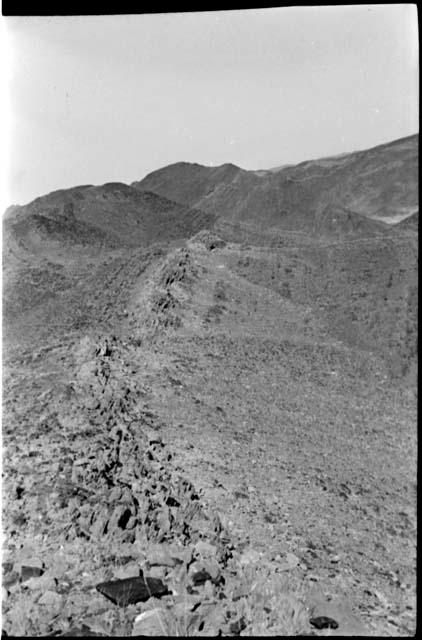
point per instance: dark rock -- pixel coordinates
(240, 494)
(132, 590)
(121, 560)
(200, 577)
(10, 579)
(124, 519)
(237, 626)
(20, 521)
(30, 572)
(154, 440)
(191, 591)
(323, 622)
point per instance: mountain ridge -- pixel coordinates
(380, 182)
(269, 337)
(114, 211)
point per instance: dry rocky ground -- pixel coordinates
(209, 402)
(200, 417)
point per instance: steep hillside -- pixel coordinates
(114, 210)
(335, 220)
(215, 400)
(56, 244)
(379, 183)
(223, 404)
(187, 182)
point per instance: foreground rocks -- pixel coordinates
(95, 496)
(132, 590)
(136, 533)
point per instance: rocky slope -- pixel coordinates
(209, 426)
(115, 213)
(379, 183)
(58, 247)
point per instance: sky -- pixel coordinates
(95, 99)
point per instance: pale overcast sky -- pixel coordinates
(111, 98)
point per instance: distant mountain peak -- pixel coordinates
(377, 183)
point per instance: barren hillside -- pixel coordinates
(209, 392)
(379, 183)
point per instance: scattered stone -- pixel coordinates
(52, 600)
(159, 555)
(130, 570)
(292, 560)
(213, 569)
(236, 627)
(150, 623)
(64, 587)
(43, 583)
(30, 572)
(97, 604)
(381, 598)
(207, 620)
(97, 624)
(132, 590)
(182, 607)
(205, 549)
(339, 610)
(250, 557)
(81, 461)
(32, 561)
(158, 571)
(80, 632)
(19, 492)
(240, 494)
(200, 577)
(10, 579)
(14, 588)
(209, 239)
(58, 568)
(27, 555)
(240, 591)
(323, 622)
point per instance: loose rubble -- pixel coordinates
(127, 494)
(111, 505)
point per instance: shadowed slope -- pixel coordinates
(62, 249)
(187, 182)
(113, 213)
